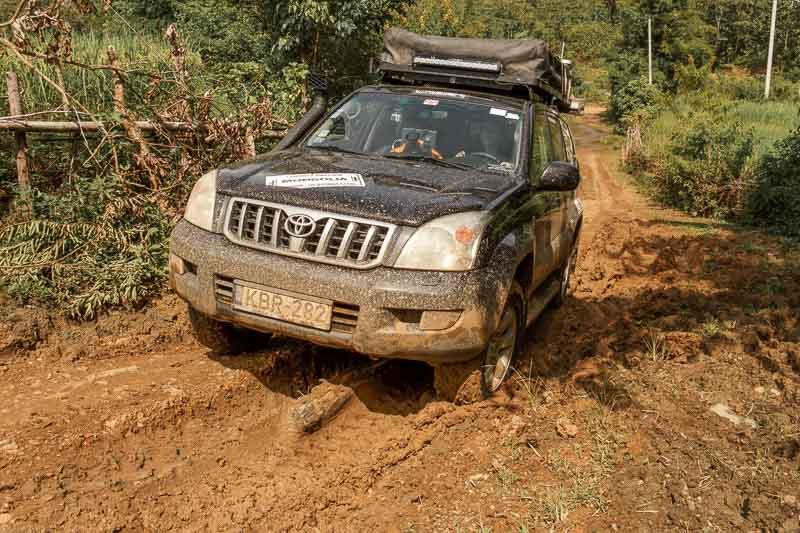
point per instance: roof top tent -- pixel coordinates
(511, 66)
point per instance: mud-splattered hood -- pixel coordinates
(396, 191)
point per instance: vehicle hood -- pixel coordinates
(400, 192)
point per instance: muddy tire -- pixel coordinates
(477, 379)
(223, 338)
(566, 277)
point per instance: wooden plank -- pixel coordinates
(87, 126)
(15, 107)
(47, 126)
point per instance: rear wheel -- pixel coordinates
(478, 378)
(221, 337)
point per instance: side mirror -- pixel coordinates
(560, 176)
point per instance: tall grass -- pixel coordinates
(140, 53)
(705, 152)
(768, 121)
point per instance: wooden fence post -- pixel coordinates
(15, 107)
(145, 160)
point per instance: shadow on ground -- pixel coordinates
(650, 294)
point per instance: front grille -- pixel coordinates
(337, 239)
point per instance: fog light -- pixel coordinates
(437, 320)
(176, 264)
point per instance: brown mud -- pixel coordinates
(127, 424)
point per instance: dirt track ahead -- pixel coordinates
(127, 424)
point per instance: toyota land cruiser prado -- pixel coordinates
(430, 217)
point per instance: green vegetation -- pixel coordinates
(713, 154)
(701, 138)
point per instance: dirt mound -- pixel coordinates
(31, 331)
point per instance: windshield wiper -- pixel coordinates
(430, 159)
(331, 148)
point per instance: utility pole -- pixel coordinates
(771, 48)
(650, 49)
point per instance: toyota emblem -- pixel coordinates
(300, 225)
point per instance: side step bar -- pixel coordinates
(541, 297)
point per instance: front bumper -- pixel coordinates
(390, 302)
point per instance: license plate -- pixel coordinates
(275, 303)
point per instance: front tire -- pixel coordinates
(222, 338)
(566, 277)
(480, 377)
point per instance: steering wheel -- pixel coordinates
(485, 155)
(411, 145)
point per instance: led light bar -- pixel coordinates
(464, 64)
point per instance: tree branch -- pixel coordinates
(20, 6)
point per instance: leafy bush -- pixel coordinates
(775, 197)
(93, 244)
(706, 169)
(636, 100)
(712, 155)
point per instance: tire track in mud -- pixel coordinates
(165, 436)
(175, 434)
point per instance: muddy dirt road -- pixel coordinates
(664, 395)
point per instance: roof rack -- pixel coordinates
(498, 64)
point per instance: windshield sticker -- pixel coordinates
(314, 181)
(441, 93)
(431, 101)
(512, 116)
(498, 112)
(505, 166)
(396, 116)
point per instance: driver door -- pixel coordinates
(547, 221)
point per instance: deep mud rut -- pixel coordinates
(126, 424)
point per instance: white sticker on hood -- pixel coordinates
(313, 181)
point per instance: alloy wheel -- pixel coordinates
(501, 350)
(568, 268)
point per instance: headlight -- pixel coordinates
(446, 243)
(200, 207)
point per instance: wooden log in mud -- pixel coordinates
(318, 407)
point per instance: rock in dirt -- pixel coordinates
(566, 428)
(720, 409)
(477, 478)
(318, 407)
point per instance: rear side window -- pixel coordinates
(541, 148)
(557, 139)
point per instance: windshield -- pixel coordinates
(428, 125)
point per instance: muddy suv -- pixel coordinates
(430, 217)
